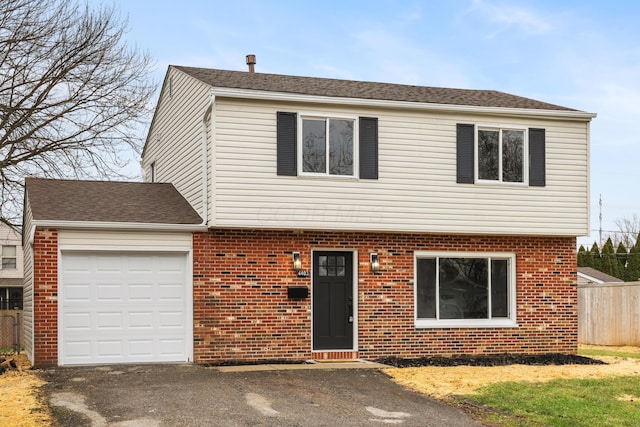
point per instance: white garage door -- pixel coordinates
(123, 308)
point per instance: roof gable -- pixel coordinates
(363, 90)
(108, 201)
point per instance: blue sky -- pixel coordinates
(579, 54)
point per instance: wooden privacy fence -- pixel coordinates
(609, 314)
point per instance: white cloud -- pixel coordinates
(505, 17)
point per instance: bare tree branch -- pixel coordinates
(73, 96)
(628, 230)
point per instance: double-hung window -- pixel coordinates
(9, 257)
(486, 154)
(464, 289)
(327, 146)
(501, 155)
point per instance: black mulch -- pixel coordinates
(492, 360)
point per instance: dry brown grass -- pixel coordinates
(22, 404)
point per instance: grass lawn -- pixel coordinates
(611, 402)
(604, 351)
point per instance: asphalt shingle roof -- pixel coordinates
(364, 90)
(108, 201)
(596, 274)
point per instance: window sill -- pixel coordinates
(491, 183)
(466, 323)
(328, 177)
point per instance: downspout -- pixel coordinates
(205, 159)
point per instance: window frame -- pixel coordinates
(502, 322)
(14, 257)
(302, 116)
(525, 154)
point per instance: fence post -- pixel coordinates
(16, 331)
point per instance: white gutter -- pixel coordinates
(205, 158)
(110, 225)
(470, 109)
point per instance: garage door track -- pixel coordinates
(190, 395)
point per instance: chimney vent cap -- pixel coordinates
(251, 61)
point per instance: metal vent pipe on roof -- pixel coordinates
(251, 61)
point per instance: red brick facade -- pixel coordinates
(241, 309)
(242, 312)
(45, 297)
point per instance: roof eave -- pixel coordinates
(112, 225)
(227, 92)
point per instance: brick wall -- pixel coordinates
(45, 297)
(241, 310)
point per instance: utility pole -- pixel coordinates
(600, 231)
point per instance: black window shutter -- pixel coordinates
(537, 169)
(287, 144)
(368, 147)
(465, 158)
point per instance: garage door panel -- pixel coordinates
(141, 347)
(77, 322)
(141, 320)
(170, 347)
(108, 264)
(77, 350)
(169, 319)
(77, 292)
(109, 348)
(142, 292)
(170, 292)
(109, 320)
(124, 308)
(79, 263)
(109, 292)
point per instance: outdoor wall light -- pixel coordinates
(375, 263)
(297, 261)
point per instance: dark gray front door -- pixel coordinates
(332, 301)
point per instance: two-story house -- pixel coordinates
(11, 269)
(337, 220)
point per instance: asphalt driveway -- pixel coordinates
(190, 395)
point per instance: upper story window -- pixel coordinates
(464, 289)
(486, 154)
(9, 257)
(327, 146)
(501, 155)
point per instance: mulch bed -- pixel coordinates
(492, 360)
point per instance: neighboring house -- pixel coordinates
(340, 219)
(588, 275)
(11, 270)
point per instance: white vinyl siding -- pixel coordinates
(27, 292)
(416, 190)
(130, 240)
(9, 238)
(174, 144)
